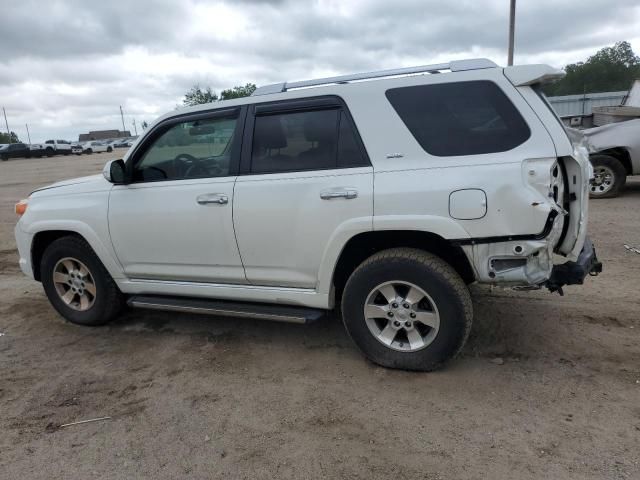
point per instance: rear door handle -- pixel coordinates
(348, 193)
(215, 198)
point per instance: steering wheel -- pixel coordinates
(188, 166)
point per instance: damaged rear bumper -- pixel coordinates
(574, 273)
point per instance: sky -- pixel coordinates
(67, 65)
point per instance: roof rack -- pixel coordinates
(453, 66)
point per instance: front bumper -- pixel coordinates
(23, 241)
(574, 273)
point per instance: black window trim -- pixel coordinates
(326, 102)
(238, 113)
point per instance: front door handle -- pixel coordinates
(215, 198)
(348, 193)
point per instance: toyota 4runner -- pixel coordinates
(383, 195)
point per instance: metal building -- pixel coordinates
(581, 105)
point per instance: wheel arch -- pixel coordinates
(619, 153)
(44, 237)
(39, 244)
(361, 246)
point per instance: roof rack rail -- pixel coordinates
(453, 66)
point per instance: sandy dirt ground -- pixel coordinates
(547, 386)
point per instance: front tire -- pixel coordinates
(77, 284)
(408, 309)
(109, 149)
(610, 176)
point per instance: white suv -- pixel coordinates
(382, 194)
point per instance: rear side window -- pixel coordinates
(349, 150)
(304, 140)
(461, 118)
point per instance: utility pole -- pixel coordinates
(28, 135)
(134, 126)
(6, 123)
(512, 28)
(122, 117)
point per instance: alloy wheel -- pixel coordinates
(74, 284)
(402, 316)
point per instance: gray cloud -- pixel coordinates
(68, 64)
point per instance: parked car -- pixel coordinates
(56, 147)
(36, 149)
(382, 198)
(14, 150)
(123, 143)
(96, 147)
(614, 153)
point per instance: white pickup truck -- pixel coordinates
(381, 195)
(57, 147)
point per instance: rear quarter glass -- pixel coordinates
(460, 118)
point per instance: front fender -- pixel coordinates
(101, 247)
(83, 213)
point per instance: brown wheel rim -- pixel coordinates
(74, 284)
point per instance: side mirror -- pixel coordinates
(115, 172)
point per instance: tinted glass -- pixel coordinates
(462, 118)
(196, 149)
(294, 141)
(349, 151)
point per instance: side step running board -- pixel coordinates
(278, 313)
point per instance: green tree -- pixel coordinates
(610, 69)
(238, 91)
(198, 96)
(9, 138)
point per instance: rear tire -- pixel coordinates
(109, 149)
(610, 176)
(429, 302)
(70, 270)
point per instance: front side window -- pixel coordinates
(194, 149)
(460, 118)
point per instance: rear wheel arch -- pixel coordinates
(621, 154)
(363, 245)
